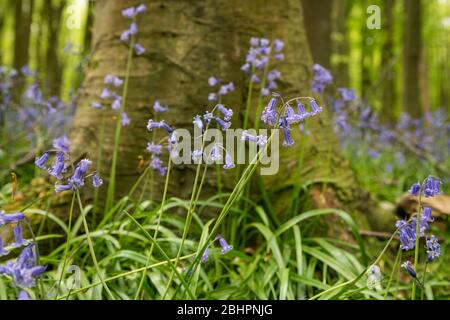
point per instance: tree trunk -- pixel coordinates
(389, 94)
(22, 26)
(317, 16)
(412, 101)
(341, 9)
(54, 10)
(186, 43)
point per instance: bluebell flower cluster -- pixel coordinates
(322, 78)
(59, 167)
(108, 95)
(408, 231)
(132, 13)
(24, 270)
(407, 265)
(287, 116)
(154, 148)
(256, 66)
(222, 89)
(221, 116)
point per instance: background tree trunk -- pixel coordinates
(186, 43)
(412, 101)
(317, 17)
(389, 94)
(22, 26)
(340, 52)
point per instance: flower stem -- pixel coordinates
(416, 249)
(91, 246)
(112, 177)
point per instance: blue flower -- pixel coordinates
(433, 248)
(407, 235)
(322, 78)
(415, 189)
(278, 45)
(212, 97)
(96, 181)
(158, 108)
(62, 144)
(225, 246)
(215, 154)
(212, 81)
(269, 114)
(197, 155)
(157, 164)
(224, 124)
(23, 295)
(154, 148)
(10, 218)
(41, 162)
(18, 236)
(302, 113)
(284, 125)
(77, 179)
(347, 94)
(198, 122)
(205, 256)
(113, 80)
(106, 94)
(58, 166)
(125, 119)
(63, 187)
(229, 164)
(315, 109)
(96, 105)
(409, 268)
(431, 187)
(139, 49)
(227, 113)
(158, 125)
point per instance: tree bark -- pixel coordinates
(412, 101)
(317, 17)
(53, 10)
(22, 26)
(186, 43)
(341, 9)
(389, 93)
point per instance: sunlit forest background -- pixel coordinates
(306, 234)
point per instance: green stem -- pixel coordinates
(423, 280)
(66, 249)
(112, 178)
(396, 263)
(91, 246)
(99, 161)
(155, 236)
(416, 249)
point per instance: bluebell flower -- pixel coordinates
(158, 125)
(265, 92)
(96, 105)
(225, 246)
(18, 236)
(278, 45)
(42, 161)
(158, 108)
(212, 81)
(129, 13)
(96, 181)
(431, 187)
(154, 148)
(113, 80)
(125, 36)
(106, 94)
(227, 113)
(223, 124)
(62, 144)
(58, 166)
(117, 103)
(229, 164)
(254, 42)
(125, 119)
(269, 114)
(23, 295)
(215, 155)
(77, 179)
(347, 94)
(25, 70)
(197, 155)
(255, 79)
(407, 235)
(260, 140)
(157, 164)
(133, 29)
(407, 265)
(205, 256)
(273, 75)
(141, 8)
(279, 56)
(198, 122)
(322, 78)
(433, 248)
(315, 109)
(63, 187)
(139, 49)
(212, 97)
(10, 218)
(302, 113)
(246, 68)
(284, 125)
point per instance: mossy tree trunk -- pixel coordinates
(186, 42)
